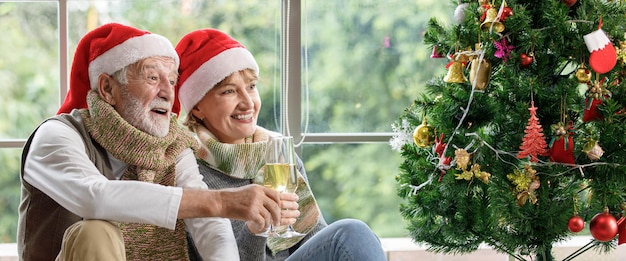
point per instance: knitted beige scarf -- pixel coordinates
(243, 161)
(151, 159)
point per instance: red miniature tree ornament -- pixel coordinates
(533, 143)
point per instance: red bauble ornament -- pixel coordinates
(603, 226)
(525, 60)
(569, 3)
(575, 224)
(506, 12)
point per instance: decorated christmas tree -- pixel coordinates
(478, 166)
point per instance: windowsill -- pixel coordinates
(8, 252)
(399, 249)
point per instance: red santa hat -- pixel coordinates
(208, 56)
(108, 49)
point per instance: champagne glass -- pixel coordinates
(292, 181)
(278, 161)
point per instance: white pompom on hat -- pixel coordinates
(208, 56)
(108, 49)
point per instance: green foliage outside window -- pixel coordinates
(366, 62)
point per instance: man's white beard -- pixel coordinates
(143, 119)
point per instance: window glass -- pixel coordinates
(30, 72)
(366, 61)
(256, 24)
(29, 66)
(10, 193)
(363, 62)
(356, 181)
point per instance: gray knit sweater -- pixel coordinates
(251, 247)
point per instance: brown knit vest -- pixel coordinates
(42, 221)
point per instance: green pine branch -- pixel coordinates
(455, 215)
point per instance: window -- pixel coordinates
(348, 68)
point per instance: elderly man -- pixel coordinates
(113, 176)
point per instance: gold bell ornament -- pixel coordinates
(583, 74)
(455, 71)
(491, 20)
(424, 135)
(480, 71)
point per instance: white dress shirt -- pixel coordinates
(58, 165)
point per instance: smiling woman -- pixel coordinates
(236, 91)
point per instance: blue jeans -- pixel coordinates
(345, 240)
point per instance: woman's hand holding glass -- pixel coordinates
(289, 209)
(280, 174)
(288, 214)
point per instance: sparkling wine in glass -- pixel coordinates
(292, 184)
(278, 161)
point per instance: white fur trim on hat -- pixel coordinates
(212, 72)
(129, 52)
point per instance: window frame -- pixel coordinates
(291, 78)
